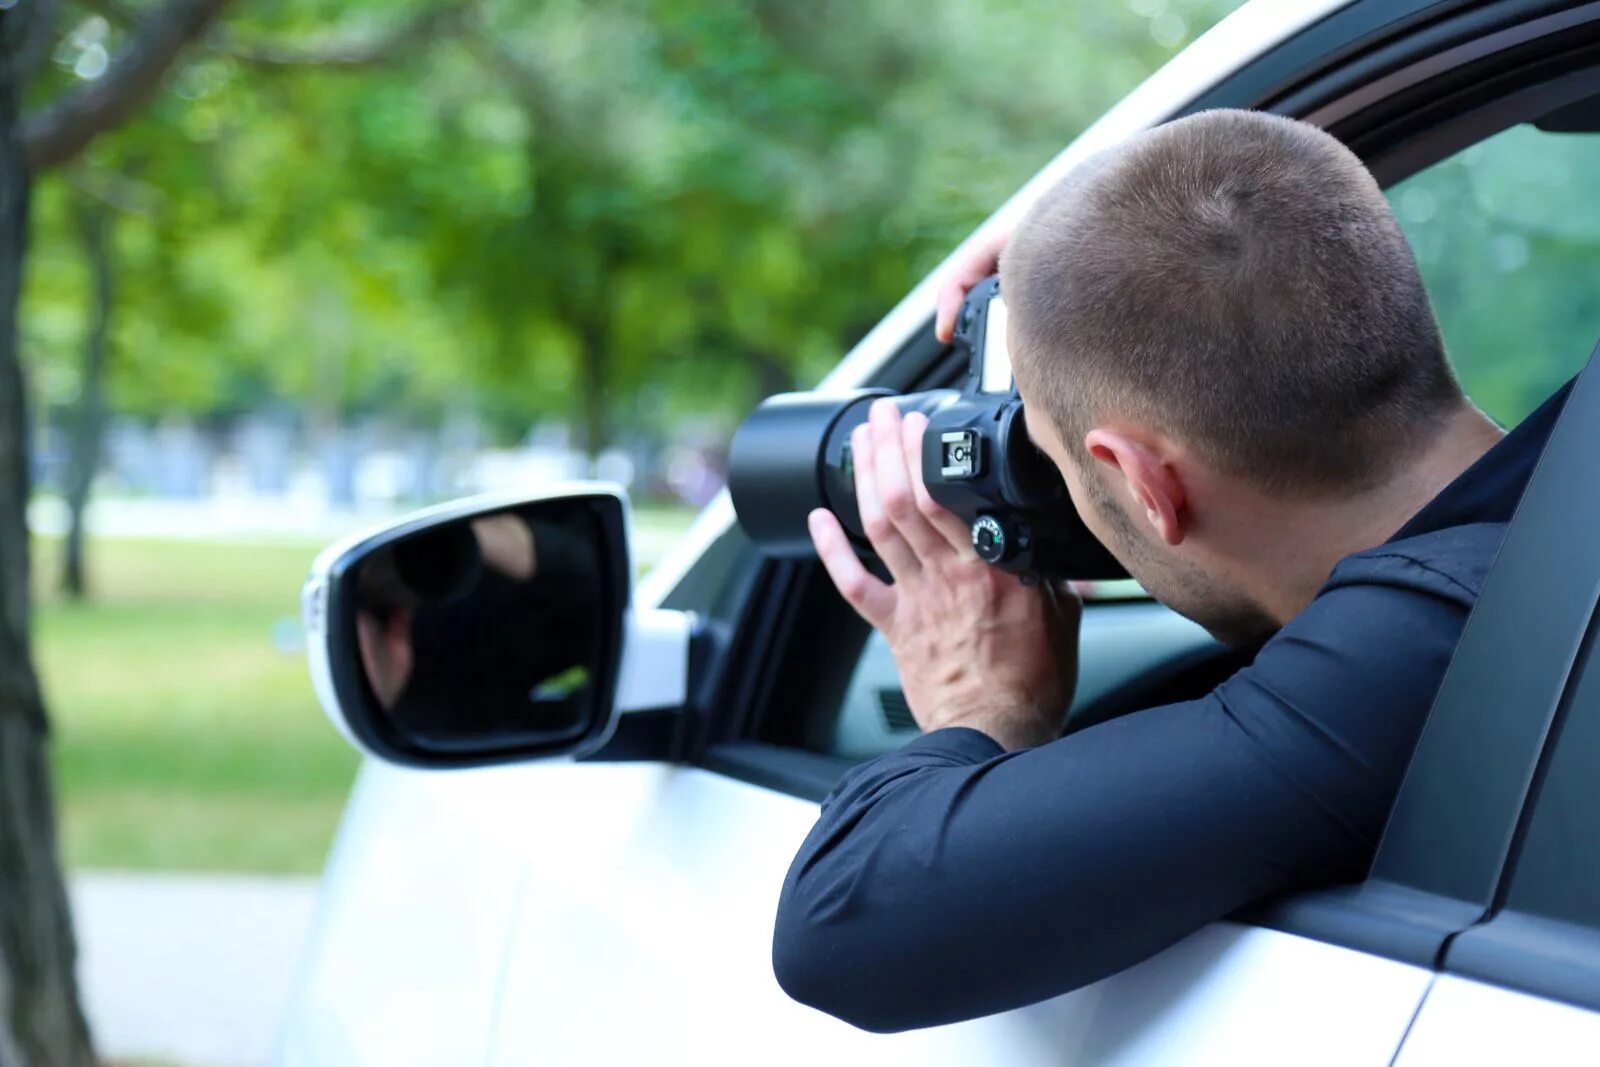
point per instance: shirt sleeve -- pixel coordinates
(950, 880)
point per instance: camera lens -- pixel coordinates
(793, 455)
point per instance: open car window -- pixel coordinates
(1506, 234)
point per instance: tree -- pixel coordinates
(637, 211)
(95, 220)
(41, 1020)
(123, 182)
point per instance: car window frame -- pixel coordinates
(1515, 942)
(1522, 948)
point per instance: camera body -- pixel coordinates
(793, 454)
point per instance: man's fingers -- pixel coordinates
(944, 321)
(895, 482)
(872, 599)
(886, 540)
(955, 290)
(979, 264)
(946, 522)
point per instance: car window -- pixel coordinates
(1507, 234)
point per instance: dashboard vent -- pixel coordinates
(896, 712)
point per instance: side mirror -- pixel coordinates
(485, 631)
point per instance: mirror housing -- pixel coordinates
(488, 630)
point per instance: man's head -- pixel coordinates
(1215, 322)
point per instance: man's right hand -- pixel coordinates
(974, 646)
(981, 261)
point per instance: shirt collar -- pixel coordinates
(1488, 491)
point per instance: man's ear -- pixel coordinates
(1151, 481)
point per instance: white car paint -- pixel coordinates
(655, 660)
(415, 912)
(648, 934)
(623, 913)
(1465, 1023)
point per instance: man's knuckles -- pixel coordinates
(930, 508)
(854, 588)
(878, 526)
(899, 504)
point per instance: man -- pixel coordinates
(1222, 340)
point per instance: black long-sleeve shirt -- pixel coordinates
(951, 879)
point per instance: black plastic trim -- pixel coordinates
(641, 736)
(1320, 49)
(1450, 42)
(1405, 156)
(1462, 798)
(1544, 937)
(1356, 44)
(1376, 917)
(795, 771)
(1545, 957)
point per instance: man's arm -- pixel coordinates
(950, 880)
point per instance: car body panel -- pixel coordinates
(1465, 1022)
(416, 905)
(646, 931)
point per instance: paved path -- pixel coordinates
(189, 969)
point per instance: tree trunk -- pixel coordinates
(40, 1018)
(592, 378)
(88, 424)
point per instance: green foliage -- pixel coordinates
(659, 209)
(1506, 235)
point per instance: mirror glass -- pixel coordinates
(486, 632)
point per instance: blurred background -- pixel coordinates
(353, 258)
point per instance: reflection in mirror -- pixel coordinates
(486, 632)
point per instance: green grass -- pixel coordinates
(186, 734)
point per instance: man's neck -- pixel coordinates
(1317, 536)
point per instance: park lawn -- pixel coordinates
(186, 734)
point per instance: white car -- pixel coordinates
(618, 907)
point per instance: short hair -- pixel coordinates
(1237, 278)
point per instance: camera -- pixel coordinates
(793, 454)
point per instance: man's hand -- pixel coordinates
(386, 652)
(507, 545)
(975, 647)
(980, 262)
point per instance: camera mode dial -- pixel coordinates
(989, 539)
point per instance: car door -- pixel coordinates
(622, 907)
